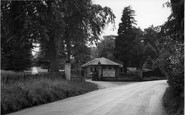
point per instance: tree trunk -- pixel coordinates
(54, 64)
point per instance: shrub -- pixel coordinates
(173, 102)
(173, 99)
(156, 72)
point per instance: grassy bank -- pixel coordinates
(27, 93)
(173, 102)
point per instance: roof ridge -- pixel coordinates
(102, 60)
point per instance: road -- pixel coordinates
(139, 98)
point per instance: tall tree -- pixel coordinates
(85, 20)
(137, 59)
(124, 41)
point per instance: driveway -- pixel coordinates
(139, 98)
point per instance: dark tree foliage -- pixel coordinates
(148, 63)
(16, 45)
(125, 38)
(105, 47)
(79, 21)
(138, 57)
(80, 55)
(172, 39)
(174, 27)
(84, 19)
(149, 51)
(52, 24)
(171, 57)
(151, 37)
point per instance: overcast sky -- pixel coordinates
(148, 12)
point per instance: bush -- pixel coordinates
(173, 99)
(130, 76)
(156, 72)
(23, 94)
(173, 102)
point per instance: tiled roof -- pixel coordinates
(103, 61)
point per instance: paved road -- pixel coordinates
(142, 98)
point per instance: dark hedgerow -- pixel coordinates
(23, 94)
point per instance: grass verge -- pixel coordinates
(22, 94)
(173, 102)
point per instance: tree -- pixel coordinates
(29, 24)
(81, 54)
(85, 21)
(171, 58)
(125, 38)
(137, 59)
(150, 35)
(172, 34)
(54, 22)
(149, 51)
(78, 22)
(106, 47)
(16, 44)
(148, 63)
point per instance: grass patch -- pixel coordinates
(173, 102)
(31, 92)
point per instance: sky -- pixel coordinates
(148, 12)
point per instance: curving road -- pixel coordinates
(141, 98)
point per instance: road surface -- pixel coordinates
(140, 98)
